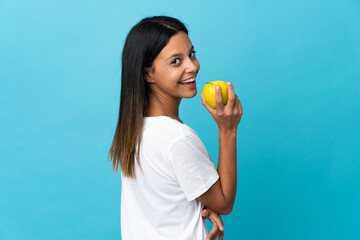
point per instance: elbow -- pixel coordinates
(226, 210)
(227, 206)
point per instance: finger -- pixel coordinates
(207, 106)
(218, 99)
(213, 233)
(215, 218)
(221, 236)
(217, 234)
(236, 104)
(238, 108)
(220, 223)
(205, 213)
(231, 95)
(239, 105)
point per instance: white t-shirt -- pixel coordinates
(161, 202)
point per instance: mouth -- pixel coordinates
(188, 81)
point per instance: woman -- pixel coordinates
(167, 174)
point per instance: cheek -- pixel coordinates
(173, 75)
(168, 77)
(162, 75)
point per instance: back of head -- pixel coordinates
(143, 44)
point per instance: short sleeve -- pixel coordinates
(191, 166)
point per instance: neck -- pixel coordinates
(163, 106)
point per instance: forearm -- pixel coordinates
(221, 195)
(227, 166)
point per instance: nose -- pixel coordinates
(192, 65)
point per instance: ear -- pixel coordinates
(149, 74)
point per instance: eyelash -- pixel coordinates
(174, 61)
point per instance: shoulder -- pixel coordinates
(161, 134)
(167, 127)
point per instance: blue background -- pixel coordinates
(294, 65)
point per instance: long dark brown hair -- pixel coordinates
(143, 43)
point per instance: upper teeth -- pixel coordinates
(188, 81)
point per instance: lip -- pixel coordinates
(189, 85)
(188, 79)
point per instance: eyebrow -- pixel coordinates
(178, 54)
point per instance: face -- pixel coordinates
(174, 70)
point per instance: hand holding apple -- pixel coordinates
(227, 117)
(209, 92)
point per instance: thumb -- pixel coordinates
(205, 213)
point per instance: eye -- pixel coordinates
(192, 54)
(176, 61)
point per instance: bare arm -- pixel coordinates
(221, 196)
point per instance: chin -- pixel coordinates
(191, 95)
